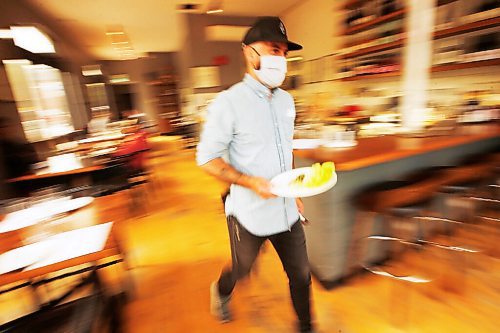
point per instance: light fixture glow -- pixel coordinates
(119, 78)
(119, 43)
(32, 39)
(215, 11)
(112, 33)
(6, 34)
(17, 61)
(91, 70)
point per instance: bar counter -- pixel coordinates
(371, 161)
(383, 149)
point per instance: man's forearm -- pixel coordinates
(224, 172)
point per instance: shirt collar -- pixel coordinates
(260, 89)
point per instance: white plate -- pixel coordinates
(280, 185)
(74, 204)
(306, 143)
(340, 144)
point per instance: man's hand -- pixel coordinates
(300, 208)
(226, 173)
(300, 205)
(259, 185)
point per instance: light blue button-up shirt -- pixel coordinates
(252, 127)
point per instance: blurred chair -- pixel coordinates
(471, 175)
(405, 277)
(95, 312)
(394, 203)
(163, 149)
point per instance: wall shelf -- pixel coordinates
(374, 49)
(466, 65)
(444, 33)
(435, 69)
(378, 21)
(354, 3)
(469, 27)
(351, 4)
(371, 76)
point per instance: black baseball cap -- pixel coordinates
(269, 29)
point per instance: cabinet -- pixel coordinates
(465, 36)
(165, 89)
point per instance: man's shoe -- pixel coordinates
(219, 305)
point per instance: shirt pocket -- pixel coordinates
(249, 133)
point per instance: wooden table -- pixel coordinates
(62, 165)
(372, 161)
(64, 259)
(87, 217)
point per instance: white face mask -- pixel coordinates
(272, 70)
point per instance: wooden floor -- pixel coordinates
(178, 248)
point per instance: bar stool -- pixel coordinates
(393, 200)
(461, 182)
(406, 279)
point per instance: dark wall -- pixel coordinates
(141, 71)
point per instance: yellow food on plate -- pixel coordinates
(320, 174)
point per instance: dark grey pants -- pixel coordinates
(291, 248)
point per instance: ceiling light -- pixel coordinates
(119, 43)
(32, 39)
(6, 34)
(214, 7)
(215, 11)
(111, 33)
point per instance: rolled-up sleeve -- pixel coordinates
(217, 131)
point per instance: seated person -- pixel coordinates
(136, 145)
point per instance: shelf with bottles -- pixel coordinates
(164, 87)
(473, 47)
(434, 69)
(393, 16)
(390, 42)
(381, 44)
(351, 4)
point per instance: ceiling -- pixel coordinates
(150, 25)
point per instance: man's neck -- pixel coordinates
(252, 74)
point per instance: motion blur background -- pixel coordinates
(101, 105)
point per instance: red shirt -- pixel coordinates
(134, 143)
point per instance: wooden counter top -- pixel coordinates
(377, 150)
(62, 165)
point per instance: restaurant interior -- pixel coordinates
(108, 225)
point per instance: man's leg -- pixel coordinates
(244, 249)
(291, 248)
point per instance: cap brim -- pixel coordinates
(291, 45)
(294, 46)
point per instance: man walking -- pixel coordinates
(252, 125)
